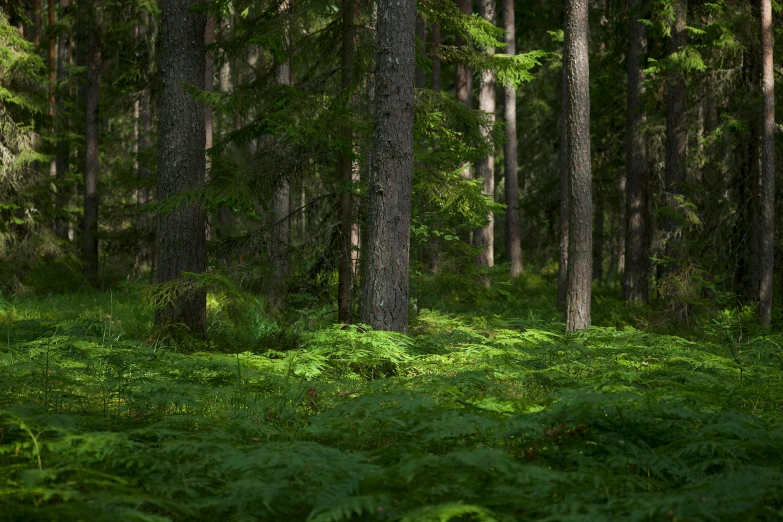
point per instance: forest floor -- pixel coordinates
(486, 411)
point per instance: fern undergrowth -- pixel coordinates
(488, 416)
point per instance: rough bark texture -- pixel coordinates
(436, 65)
(562, 274)
(421, 37)
(484, 237)
(580, 242)
(636, 283)
(598, 229)
(676, 122)
(513, 236)
(52, 63)
(145, 223)
(63, 152)
(281, 209)
(767, 243)
(346, 269)
(385, 282)
(181, 232)
(209, 82)
(90, 220)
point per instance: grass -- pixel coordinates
(485, 412)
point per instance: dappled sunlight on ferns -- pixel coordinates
(492, 418)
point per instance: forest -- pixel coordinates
(383, 260)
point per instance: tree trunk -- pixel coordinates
(580, 270)
(636, 287)
(181, 232)
(484, 237)
(385, 283)
(52, 62)
(281, 230)
(565, 190)
(767, 239)
(209, 84)
(63, 152)
(90, 220)
(421, 37)
(598, 231)
(346, 269)
(436, 65)
(463, 83)
(513, 236)
(676, 124)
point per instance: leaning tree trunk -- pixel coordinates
(513, 236)
(767, 229)
(385, 283)
(90, 220)
(676, 125)
(484, 237)
(182, 231)
(636, 283)
(345, 274)
(580, 241)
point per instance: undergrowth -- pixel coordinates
(490, 416)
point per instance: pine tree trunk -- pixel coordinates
(281, 230)
(436, 65)
(144, 222)
(565, 189)
(598, 231)
(63, 152)
(636, 287)
(676, 124)
(346, 269)
(52, 59)
(767, 243)
(580, 270)
(421, 36)
(484, 237)
(463, 83)
(90, 220)
(385, 281)
(513, 235)
(181, 232)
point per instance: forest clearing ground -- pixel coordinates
(472, 417)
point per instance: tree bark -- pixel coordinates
(209, 83)
(676, 123)
(636, 280)
(767, 243)
(385, 284)
(90, 220)
(580, 270)
(513, 235)
(52, 62)
(346, 269)
(63, 150)
(463, 83)
(421, 37)
(181, 232)
(436, 65)
(484, 237)
(565, 190)
(598, 230)
(281, 231)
